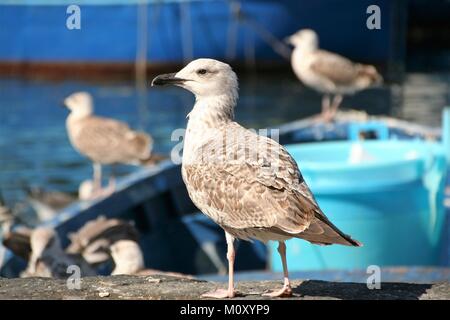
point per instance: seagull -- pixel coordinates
(248, 184)
(48, 259)
(103, 239)
(104, 141)
(327, 72)
(94, 240)
(48, 203)
(128, 259)
(89, 247)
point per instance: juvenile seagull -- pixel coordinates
(89, 247)
(48, 259)
(327, 72)
(94, 240)
(103, 140)
(128, 259)
(48, 203)
(246, 183)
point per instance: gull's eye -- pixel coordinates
(202, 71)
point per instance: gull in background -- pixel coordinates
(128, 259)
(261, 196)
(103, 140)
(48, 259)
(48, 203)
(327, 72)
(89, 247)
(94, 240)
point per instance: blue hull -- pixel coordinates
(180, 31)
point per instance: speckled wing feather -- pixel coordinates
(109, 141)
(243, 190)
(322, 231)
(259, 189)
(93, 240)
(341, 71)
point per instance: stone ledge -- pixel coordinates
(158, 287)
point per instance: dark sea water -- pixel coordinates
(35, 150)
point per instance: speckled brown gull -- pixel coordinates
(89, 247)
(327, 72)
(103, 140)
(48, 259)
(96, 237)
(248, 184)
(128, 259)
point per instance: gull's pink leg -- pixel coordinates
(97, 176)
(111, 188)
(337, 100)
(326, 109)
(286, 291)
(325, 104)
(97, 181)
(231, 254)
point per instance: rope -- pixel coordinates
(278, 46)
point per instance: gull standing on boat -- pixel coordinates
(104, 141)
(327, 72)
(246, 183)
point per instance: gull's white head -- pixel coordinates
(204, 78)
(306, 39)
(127, 256)
(79, 103)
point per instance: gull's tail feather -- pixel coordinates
(369, 75)
(141, 144)
(323, 231)
(153, 159)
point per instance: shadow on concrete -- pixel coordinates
(360, 291)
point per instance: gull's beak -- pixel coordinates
(166, 79)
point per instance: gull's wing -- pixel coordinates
(108, 140)
(93, 240)
(256, 184)
(337, 69)
(251, 181)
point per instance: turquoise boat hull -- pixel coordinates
(392, 202)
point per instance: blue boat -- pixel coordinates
(36, 33)
(177, 237)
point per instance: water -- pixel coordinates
(34, 148)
